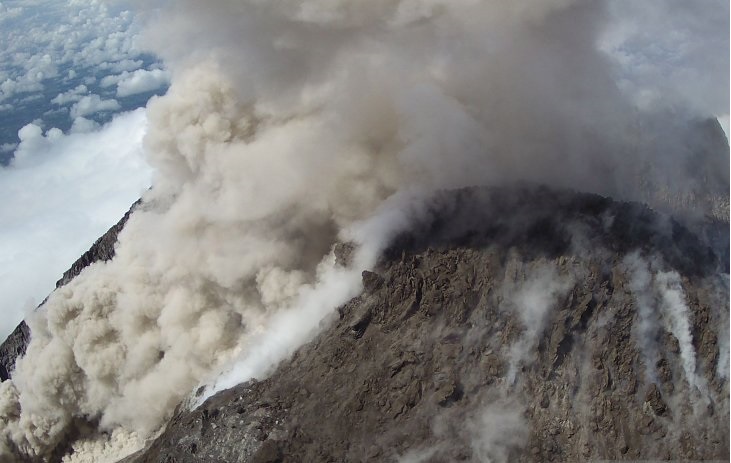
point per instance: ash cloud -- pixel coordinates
(289, 126)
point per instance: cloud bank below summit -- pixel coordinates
(62, 192)
(54, 52)
(290, 126)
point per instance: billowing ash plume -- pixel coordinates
(290, 125)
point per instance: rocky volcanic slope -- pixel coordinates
(103, 249)
(515, 326)
(512, 325)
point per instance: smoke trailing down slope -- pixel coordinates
(421, 365)
(292, 125)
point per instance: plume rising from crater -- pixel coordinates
(291, 126)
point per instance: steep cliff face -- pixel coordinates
(510, 325)
(102, 249)
(12, 348)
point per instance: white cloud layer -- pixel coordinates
(41, 37)
(90, 104)
(59, 195)
(7, 12)
(70, 96)
(124, 65)
(141, 81)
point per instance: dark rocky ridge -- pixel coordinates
(434, 302)
(419, 366)
(12, 348)
(430, 314)
(102, 249)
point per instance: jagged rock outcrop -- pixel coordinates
(12, 348)
(102, 249)
(513, 325)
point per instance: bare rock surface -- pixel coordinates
(506, 327)
(12, 348)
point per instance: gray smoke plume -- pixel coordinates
(496, 430)
(291, 125)
(661, 307)
(677, 321)
(493, 431)
(646, 328)
(722, 302)
(532, 299)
